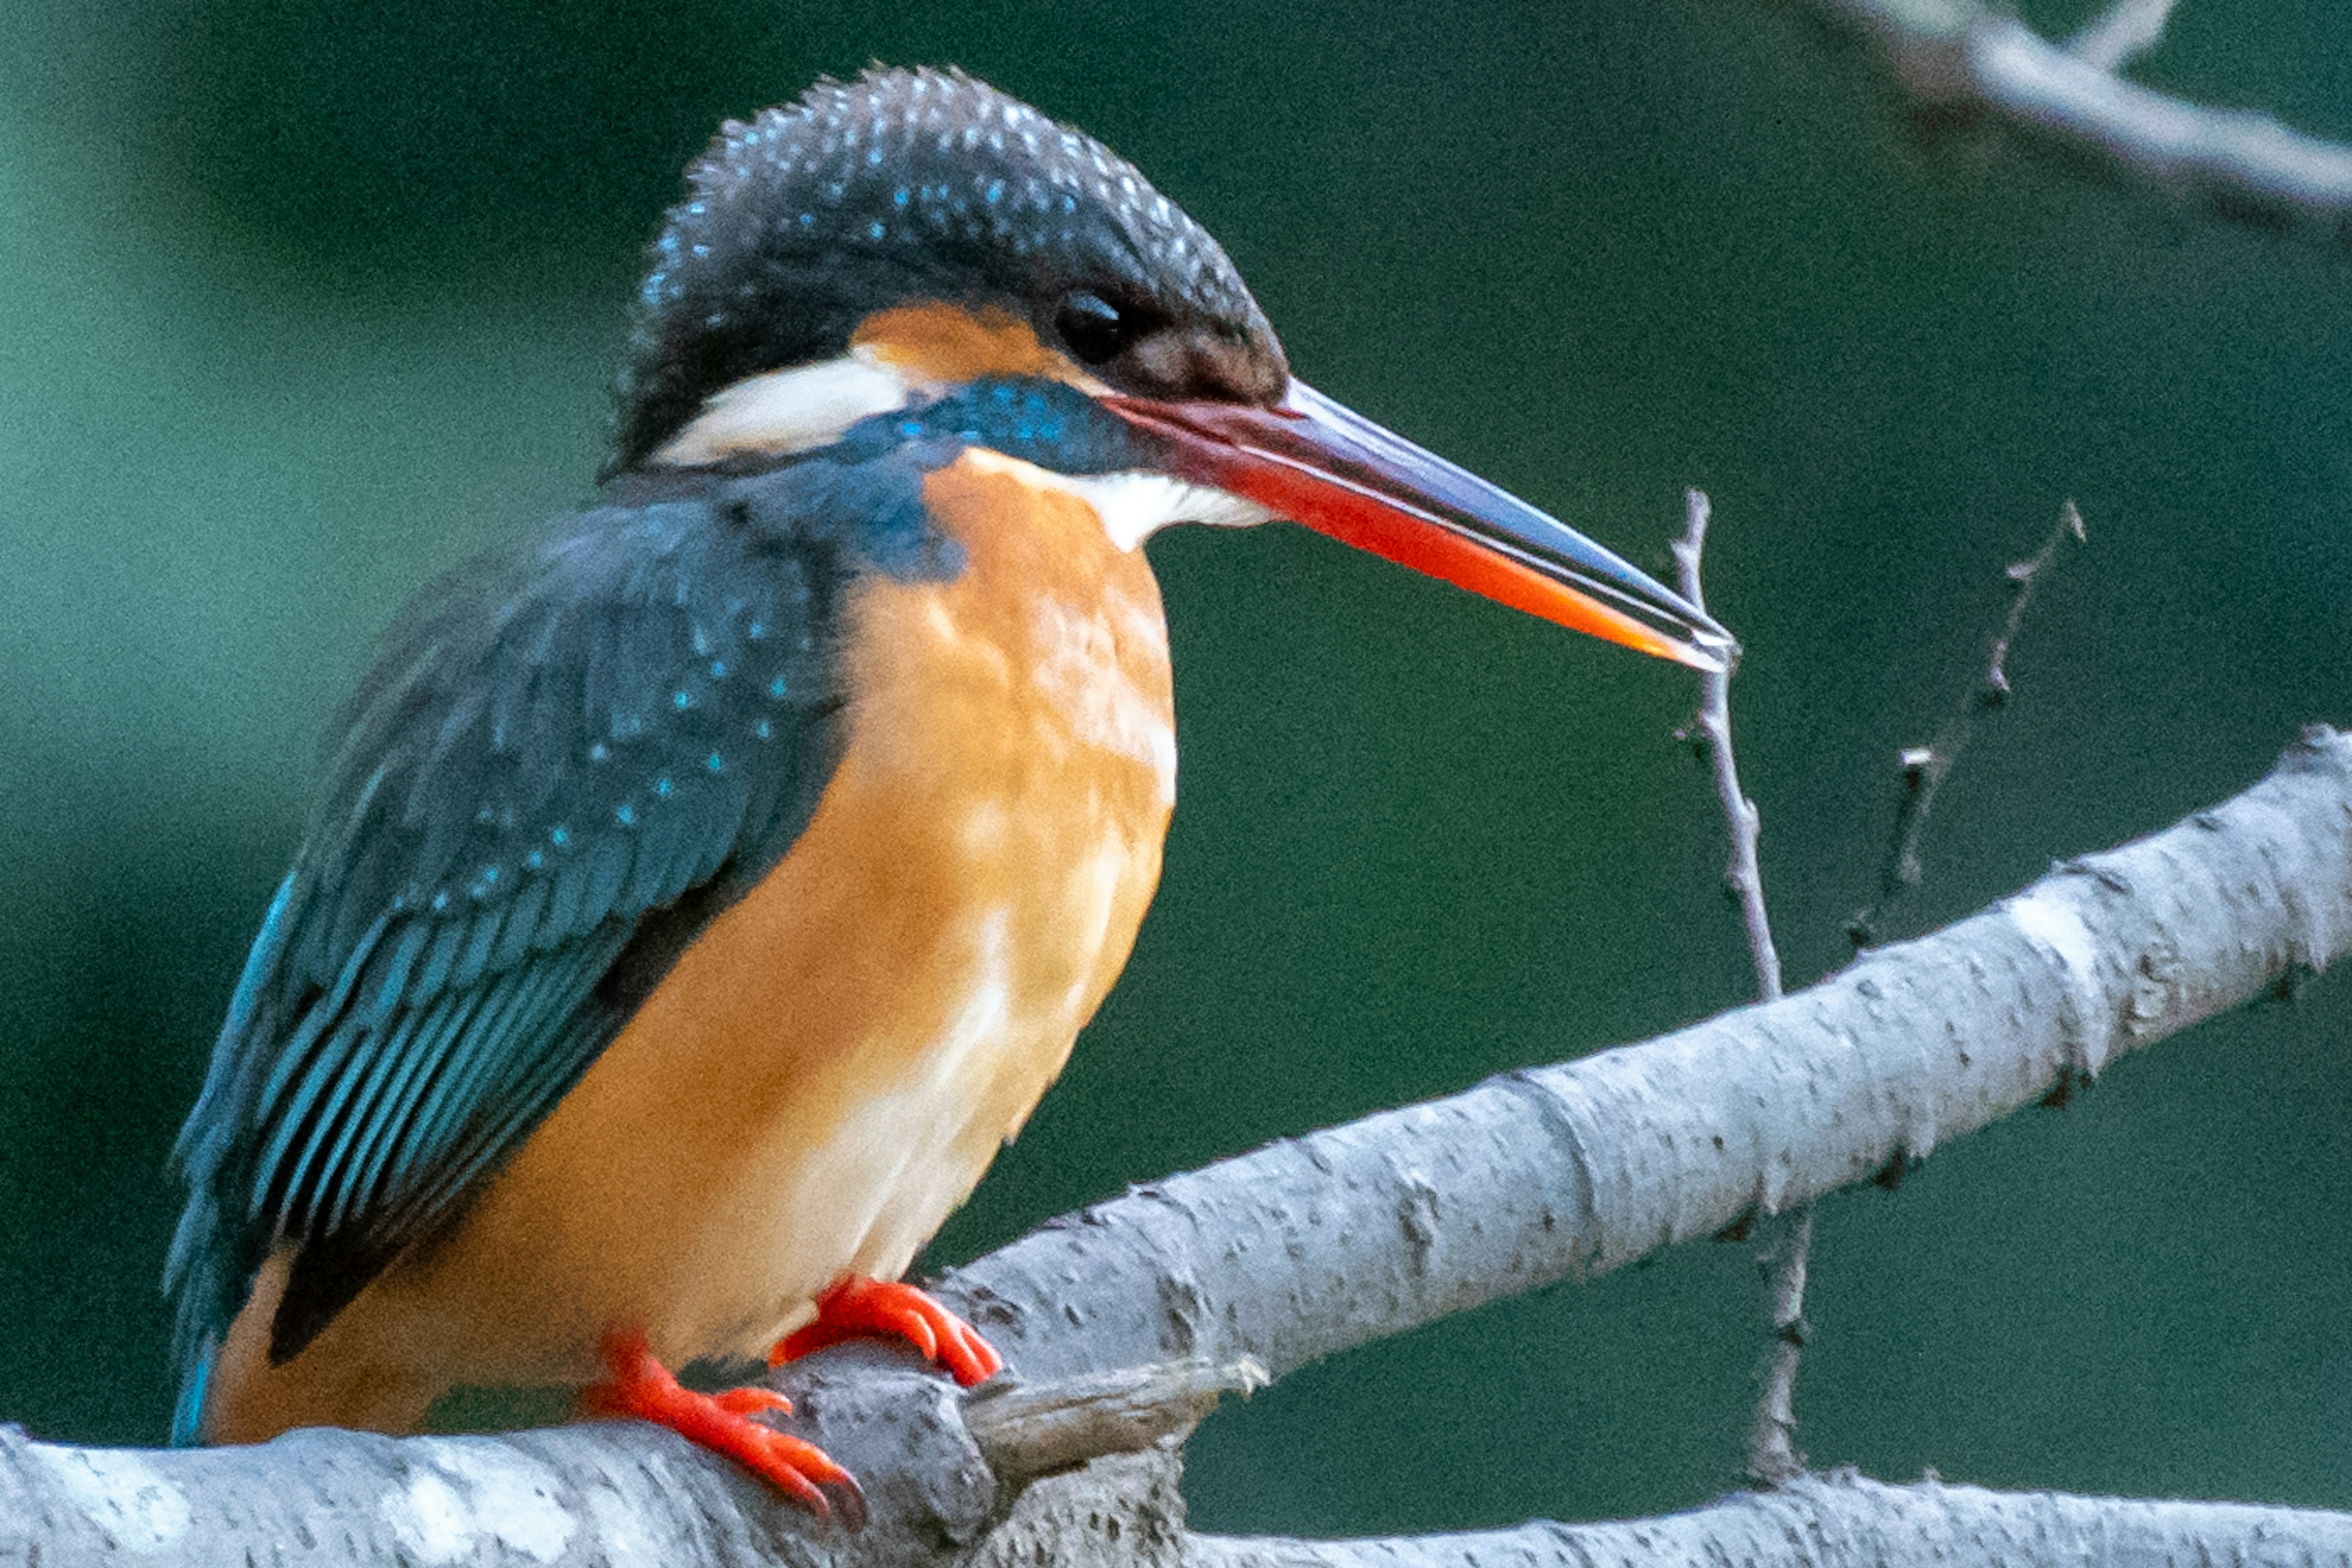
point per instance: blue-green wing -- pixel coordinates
(555, 776)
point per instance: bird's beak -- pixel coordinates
(1322, 464)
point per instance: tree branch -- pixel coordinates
(1312, 1246)
(1966, 56)
(1829, 1521)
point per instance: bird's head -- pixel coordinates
(918, 241)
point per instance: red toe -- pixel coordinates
(640, 1386)
(753, 1401)
(858, 1307)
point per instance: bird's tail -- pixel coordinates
(208, 1260)
(188, 1414)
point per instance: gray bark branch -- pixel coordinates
(1968, 56)
(1312, 1246)
(1317, 1245)
(1828, 1522)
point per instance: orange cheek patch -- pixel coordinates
(948, 344)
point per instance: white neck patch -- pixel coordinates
(785, 411)
(1134, 505)
(814, 405)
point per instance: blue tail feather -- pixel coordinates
(188, 1414)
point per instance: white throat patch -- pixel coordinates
(814, 405)
(1134, 505)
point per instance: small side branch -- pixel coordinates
(1925, 768)
(2122, 33)
(1025, 1431)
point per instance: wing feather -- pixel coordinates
(556, 774)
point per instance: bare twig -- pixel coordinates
(1925, 768)
(1773, 1459)
(1741, 875)
(1772, 1455)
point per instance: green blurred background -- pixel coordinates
(302, 300)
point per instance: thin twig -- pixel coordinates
(1925, 768)
(1741, 875)
(1772, 1457)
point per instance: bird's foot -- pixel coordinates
(640, 1386)
(856, 1309)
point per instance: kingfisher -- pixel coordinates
(700, 893)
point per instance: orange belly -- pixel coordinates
(825, 1074)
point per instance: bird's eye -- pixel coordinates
(1095, 329)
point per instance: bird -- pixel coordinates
(701, 890)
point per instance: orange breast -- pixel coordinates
(823, 1076)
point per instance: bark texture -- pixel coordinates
(1315, 1244)
(1833, 1521)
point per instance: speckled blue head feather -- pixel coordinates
(908, 185)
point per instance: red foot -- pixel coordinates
(642, 1387)
(856, 1309)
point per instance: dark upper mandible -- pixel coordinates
(908, 185)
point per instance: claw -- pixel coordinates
(641, 1387)
(753, 1401)
(854, 1307)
